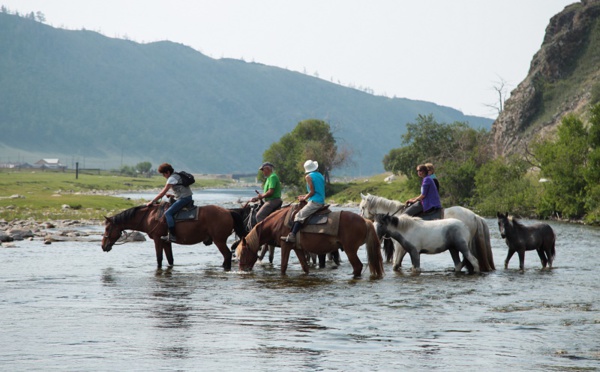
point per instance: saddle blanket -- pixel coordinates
(324, 222)
(183, 215)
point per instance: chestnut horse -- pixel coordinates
(353, 232)
(213, 224)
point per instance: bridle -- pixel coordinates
(108, 232)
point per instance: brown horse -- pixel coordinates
(353, 232)
(213, 224)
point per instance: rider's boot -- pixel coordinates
(291, 238)
(170, 237)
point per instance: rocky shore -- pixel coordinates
(55, 231)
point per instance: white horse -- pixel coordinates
(419, 236)
(479, 242)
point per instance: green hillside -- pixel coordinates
(77, 94)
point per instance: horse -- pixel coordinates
(420, 236)
(353, 232)
(212, 224)
(520, 238)
(479, 242)
(248, 213)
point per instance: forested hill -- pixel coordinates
(78, 94)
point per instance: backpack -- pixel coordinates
(186, 178)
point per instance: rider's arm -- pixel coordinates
(162, 193)
(311, 187)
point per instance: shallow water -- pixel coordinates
(71, 306)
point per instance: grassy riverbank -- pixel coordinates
(47, 195)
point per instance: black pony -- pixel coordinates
(521, 238)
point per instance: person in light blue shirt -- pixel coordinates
(315, 198)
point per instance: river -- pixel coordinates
(70, 306)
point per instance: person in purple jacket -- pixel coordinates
(428, 202)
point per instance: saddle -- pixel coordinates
(436, 214)
(188, 212)
(323, 221)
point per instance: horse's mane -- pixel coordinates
(379, 203)
(126, 215)
(404, 221)
(253, 237)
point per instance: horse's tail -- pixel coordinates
(238, 224)
(553, 248)
(388, 248)
(483, 246)
(374, 251)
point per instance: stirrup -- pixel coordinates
(168, 238)
(291, 238)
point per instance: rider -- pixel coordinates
(429, 199)
(315, 185)
(182, 195)
(431, 173)
(271, 192)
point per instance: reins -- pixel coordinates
(124, 232)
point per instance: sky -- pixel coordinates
(455, 53)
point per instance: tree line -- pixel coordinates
(556, 177)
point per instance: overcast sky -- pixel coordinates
(451, 52)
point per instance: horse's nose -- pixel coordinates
(107, 248)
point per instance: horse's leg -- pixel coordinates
(322, 258)
(263, 252)
(302, 258)
(388, 248)
(456, 259)
(354, 261)
(466, 252)
(168, 249)
(271, 253)
(159, 252)
(521, 254)
(285, 257)
(542, 255)
(399, 253)
(508, 257)
(222, 245)
(335, 255)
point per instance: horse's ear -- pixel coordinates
(363, 196)
(498, 214)
(107, 219)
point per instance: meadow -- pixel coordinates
(50, 195)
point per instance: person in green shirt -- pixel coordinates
(271, 192)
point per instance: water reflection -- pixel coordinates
(116, 311)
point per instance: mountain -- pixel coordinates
(80, 95)
(564, 77)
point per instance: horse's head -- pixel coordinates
(364, 207)
(246, 255)
(381, 222)
(502, 223)
(111, 234)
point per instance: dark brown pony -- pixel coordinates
(213, 224)
(353, 232)
(520, 238)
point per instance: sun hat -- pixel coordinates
(310, 166)
(266, 164)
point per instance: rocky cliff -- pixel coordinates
(564, 77)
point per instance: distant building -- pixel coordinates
(15, 165)
(49, 164)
